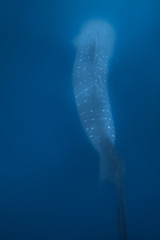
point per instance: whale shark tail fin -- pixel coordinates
(121, 214)
(111, 169)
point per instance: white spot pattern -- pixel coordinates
(89, 79)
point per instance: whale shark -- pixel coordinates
(94, 48)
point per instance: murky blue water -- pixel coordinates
(48, 168)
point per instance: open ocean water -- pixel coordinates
(48, 168)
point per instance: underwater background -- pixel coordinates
(48, 169)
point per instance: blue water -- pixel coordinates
(48, 168)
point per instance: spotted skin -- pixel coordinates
(89, 79)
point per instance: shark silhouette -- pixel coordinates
(94, 47)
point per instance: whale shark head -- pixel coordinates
(96, 32)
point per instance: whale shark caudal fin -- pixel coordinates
(111, 169)
(121, 214)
